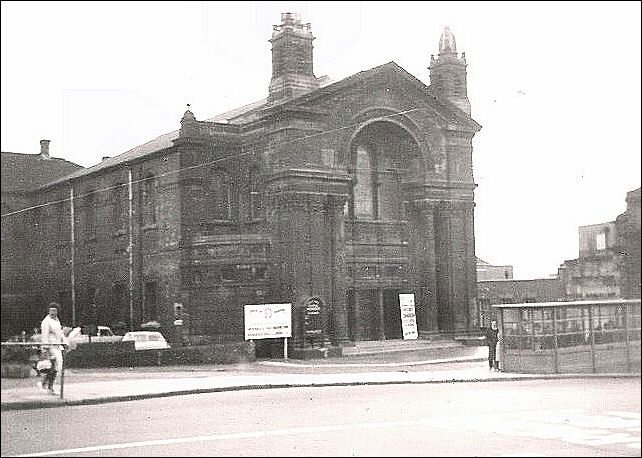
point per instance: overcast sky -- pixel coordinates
(555, 86)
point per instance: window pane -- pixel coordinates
(363, 193)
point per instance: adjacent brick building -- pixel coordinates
(22, 175)
(342, 194)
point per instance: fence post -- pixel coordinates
(555, 356)
(627, 309)
(591, 336)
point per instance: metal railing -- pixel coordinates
(576, 336)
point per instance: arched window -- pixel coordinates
(149, 200)
(90, 210)
(363, 191)
(255, 198)
(119, 206)
(384, 156)
(220, 196)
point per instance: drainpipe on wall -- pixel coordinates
(131, 253)
(73, 258)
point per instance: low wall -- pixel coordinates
(108, 355)
(18, 362)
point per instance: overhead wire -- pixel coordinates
(252, 150)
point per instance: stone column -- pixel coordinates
(339, 310)
(422, 246)
(456, 277)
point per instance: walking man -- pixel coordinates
(52, 332)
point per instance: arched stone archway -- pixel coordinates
(383, 159)
(382, 156)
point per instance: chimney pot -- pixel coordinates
(44, 149)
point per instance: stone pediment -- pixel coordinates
(396, 79)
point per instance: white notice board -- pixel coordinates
(267, 321)
(408, 316)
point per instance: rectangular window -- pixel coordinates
(150, 312)
(228, 273)
(600, 241)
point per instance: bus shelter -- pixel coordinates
(597, 336)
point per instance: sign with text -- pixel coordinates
(408, 316)
(268, 321)
(313, 320)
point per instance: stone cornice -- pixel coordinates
(310, 174)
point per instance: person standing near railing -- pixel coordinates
(492, 337)
(51, 331)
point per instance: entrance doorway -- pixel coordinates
(392, 314)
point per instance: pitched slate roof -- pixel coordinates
(27, 172)
(256, 110)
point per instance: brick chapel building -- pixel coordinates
(344, 194)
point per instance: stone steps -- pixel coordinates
(397, 345)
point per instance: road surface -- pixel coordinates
(567, 417)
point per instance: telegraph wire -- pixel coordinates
(227, 158)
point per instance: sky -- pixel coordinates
(554, 85)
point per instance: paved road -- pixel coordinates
(574, 417)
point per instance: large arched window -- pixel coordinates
(383, 155)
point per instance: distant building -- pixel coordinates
(22, 175)
(608, 265)
(628, 241)
(490, 292)
(486, 271)
(594, 274)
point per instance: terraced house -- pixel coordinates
(342, 194)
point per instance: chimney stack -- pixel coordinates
(44, 149)
(292, 71)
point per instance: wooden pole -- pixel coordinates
(285, 348)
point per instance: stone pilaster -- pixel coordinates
(335, 227)
(455, 272)
(422, 243)
(306, 226)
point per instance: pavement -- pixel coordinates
(95, 386)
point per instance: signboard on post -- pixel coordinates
(268, 321)
(313, 321)
(408, 316)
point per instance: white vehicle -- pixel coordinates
(146, 340)
(103, 334)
